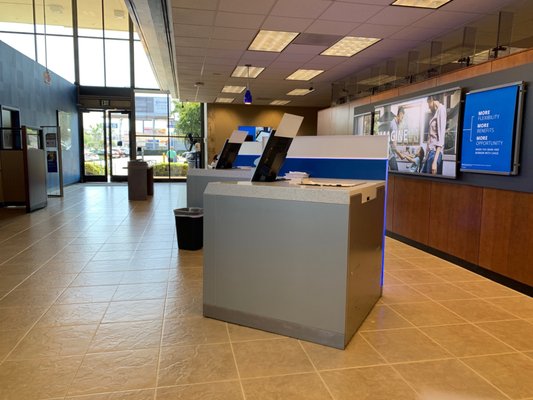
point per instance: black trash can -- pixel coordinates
(190, 227)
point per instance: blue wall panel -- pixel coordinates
(22, 87)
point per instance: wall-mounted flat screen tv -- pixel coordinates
(491, 130)
(422, 133)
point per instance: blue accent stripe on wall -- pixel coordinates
(246, 160)
(337, 168)
(340, 168)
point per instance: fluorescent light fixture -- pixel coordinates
(304, 74)
(279, 102)
(349, 45)
(224, 100)
(272, 41)
(240, 71)
(299, 92)
(420, 3)
(233, 89)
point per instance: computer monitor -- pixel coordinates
(276, 149)
(230, 150)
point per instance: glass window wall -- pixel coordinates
(160, 135)
(91, 61)
(117, 63)
(43, 31)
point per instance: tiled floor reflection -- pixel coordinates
(97, 303)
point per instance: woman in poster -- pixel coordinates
(437, 132)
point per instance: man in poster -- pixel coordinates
(437, 132)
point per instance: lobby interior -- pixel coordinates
(97, 301)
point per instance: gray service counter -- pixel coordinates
(197, 180)
(301, 261)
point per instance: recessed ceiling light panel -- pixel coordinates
(241, 71)
(420, 3)
(349, 45)
(224, 100)
(279, 102)
(304, 74)
(274, 41)
(233, 89)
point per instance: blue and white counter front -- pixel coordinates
(343, 156)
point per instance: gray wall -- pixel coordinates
(22, 87)
(523, 182)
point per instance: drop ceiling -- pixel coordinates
(209, 38)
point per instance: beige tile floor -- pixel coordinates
(96, 302)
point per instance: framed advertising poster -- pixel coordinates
(422, 133)
(492, 130)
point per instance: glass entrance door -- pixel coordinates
(106, 145)
(119, 144)
(94, 146)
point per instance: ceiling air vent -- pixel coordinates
(316, 39)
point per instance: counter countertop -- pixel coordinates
(233, 172)
(284, 190)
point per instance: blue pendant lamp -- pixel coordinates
(248, 94)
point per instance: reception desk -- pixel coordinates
(301, 261)
(197, 180)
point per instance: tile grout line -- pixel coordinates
(235, 361)
(316, 370)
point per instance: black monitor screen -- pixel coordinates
(228, 155)
(272, 158)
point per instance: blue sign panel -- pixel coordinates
(489, 130)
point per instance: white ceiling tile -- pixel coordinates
(226, 33)
(301, 8)
(228, 44)
(332, 27)
(192, 17)
(324, 62)
(350, 12)
(235, 20)
(375, 31)
(476, 6)
(287, 24)
(191, 42)
(246, 6)
(182, 59)
(446, 19)
(198, 31)
(295, 57)
(374, 2)
(258, 57)
(404, 16)
(222, 62)
(224, 53)
(414, 33)
(197, 4)
(389, 48)
(189, 51)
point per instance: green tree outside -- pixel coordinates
(188, 119)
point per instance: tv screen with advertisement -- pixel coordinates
(422, 133)
(492, 129)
